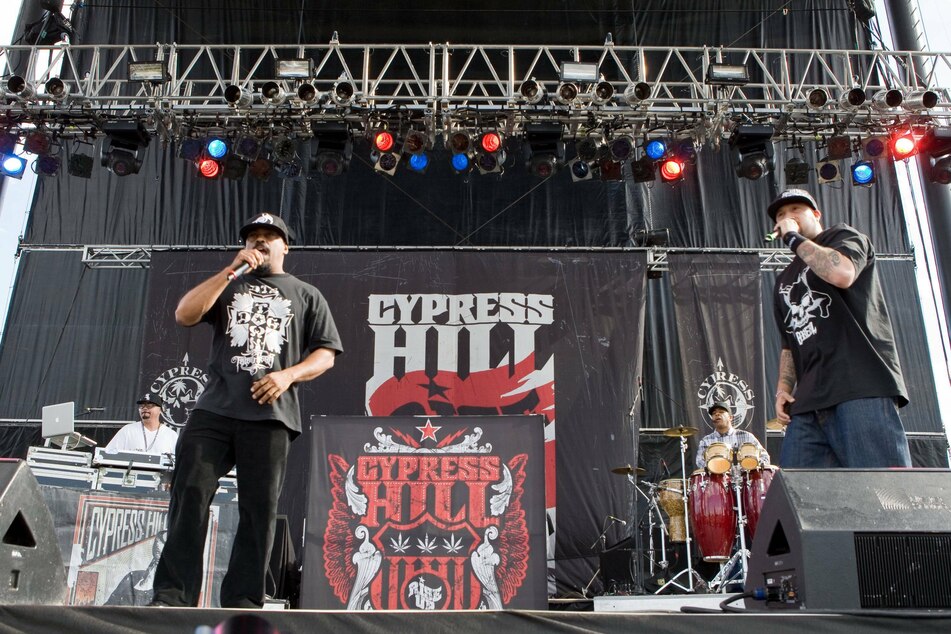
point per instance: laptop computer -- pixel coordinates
(58, 427)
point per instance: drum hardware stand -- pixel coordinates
(742, 555)
(651, 509)
(689, 571)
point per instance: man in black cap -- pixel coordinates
(840, 383)
(271, 331)
(725, 433)
(148, 435)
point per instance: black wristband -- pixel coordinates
(793, 239)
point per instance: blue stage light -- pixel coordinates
(419, 162)
(655, 150)
(13, 166)
(216, 148)
(863, 173)
(460, 162)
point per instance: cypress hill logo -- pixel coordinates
(178, 390)
(427, 524)
(723, 385)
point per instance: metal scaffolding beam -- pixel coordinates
(456, 85)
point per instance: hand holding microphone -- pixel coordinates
(244, 261)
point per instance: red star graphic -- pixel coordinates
(428, 431)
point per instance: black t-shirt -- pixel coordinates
(261, 325)
(841, 339)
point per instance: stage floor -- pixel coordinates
(112, 620)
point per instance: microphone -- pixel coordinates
(618, 520)
(238, 272)
(95, 409)
(771, 237)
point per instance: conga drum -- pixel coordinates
(755, 485)
(712, 516)
(670, 498)
(748, 456)
(719, 457)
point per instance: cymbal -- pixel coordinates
(628, 470)
(680, 432)
(773, 424)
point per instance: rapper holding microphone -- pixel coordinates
(840, 383)
(270, 332)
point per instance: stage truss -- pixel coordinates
(441, 87)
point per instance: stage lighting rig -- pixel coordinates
(233, 168)
(247, 146)
(308, 94)
(727, 75)
(51, 28)
(39, 142)
(655, 149)
(283, 150)
(852, 99)
(490, 155)
(343, 93)
(152, 72)
(755, 149)
(817, 99)
(545, 151)
(839, 147)
(334, 148)
(190, 148)
(122, 146)
(272, 94)
(887, 99)
(828, 171)
(672, 170)
(80, 165)
(261, 168)
(589, 146)
(21, 88)
(567, 93)
(903, 145)
(637, 93)
(57, 90)
(920, 100)
(863, 173)
(936, 145)
(797, 172)
(602, 93)
(294, 68)
(644, 170)
(238, 96)
(874, 147)
(532, 92)
(12, 165)
(580, 170)
(415, 142)
(621, 147)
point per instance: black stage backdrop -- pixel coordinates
(453, 333)
(719, 307)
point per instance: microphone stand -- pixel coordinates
(608, 523)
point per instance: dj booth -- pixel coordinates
(109, 514)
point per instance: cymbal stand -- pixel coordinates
(727, 570)
(651, 509)
(689, 571)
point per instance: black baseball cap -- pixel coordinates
(790, 196)
(150, 399)
(718, 405)
(268, 220)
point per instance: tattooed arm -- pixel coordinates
(829, 264)
(785, 385)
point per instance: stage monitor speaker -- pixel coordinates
(31, 566)
(854, 539)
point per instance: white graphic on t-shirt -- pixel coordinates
(805, 305)
(257, 321)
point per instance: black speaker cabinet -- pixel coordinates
(849, 539)
(31, 566)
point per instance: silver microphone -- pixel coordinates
(238, 272)
(618, 520)
(771, 237)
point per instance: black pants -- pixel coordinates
(208, 447)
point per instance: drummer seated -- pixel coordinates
(724, 432)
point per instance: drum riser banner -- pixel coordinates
(718, 303)
(448, 333)
(441, 514)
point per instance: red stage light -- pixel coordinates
(491, 142)
(904, 146)
(209, 168)
(671, 170)
(383, 141)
